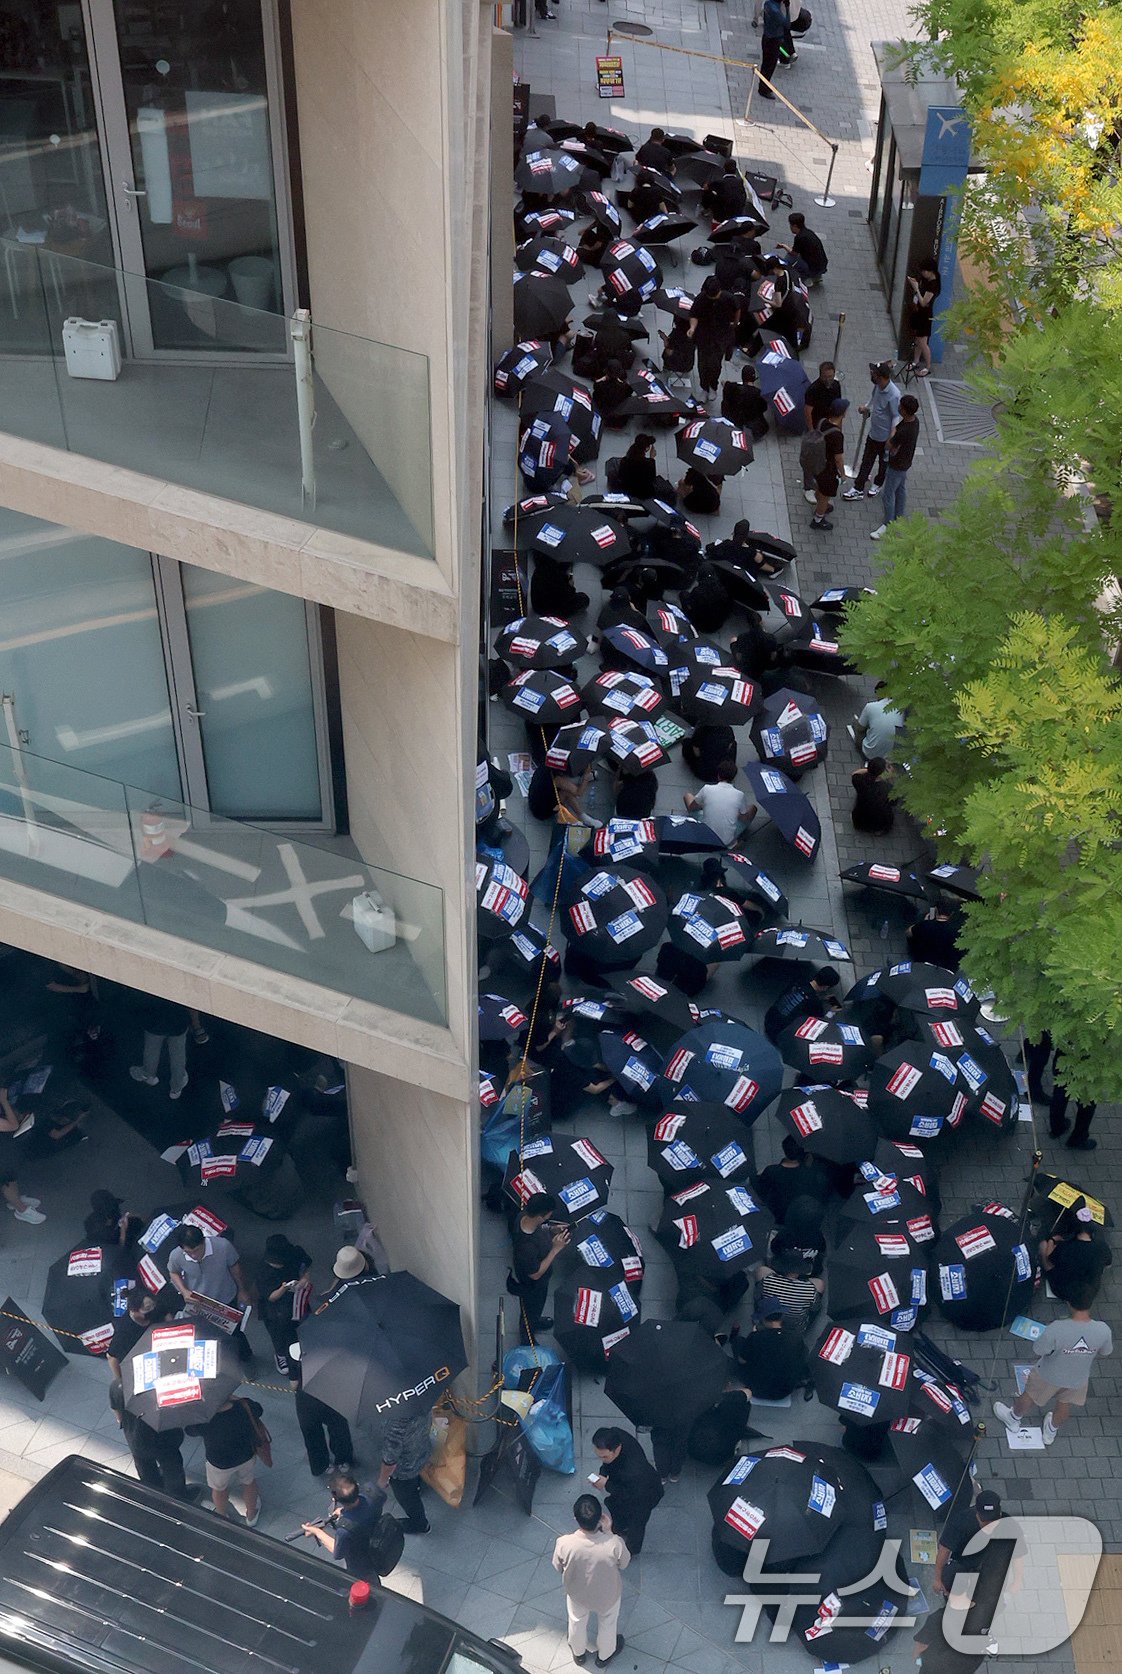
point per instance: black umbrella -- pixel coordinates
(602, 1240)
(381, 1347)
(547, 172)
(594, 1309)
(864, 1374)
(602, 210)
(737, 226)
(790, 732)
(575, 747)
(824, 1049)
(624, 842)
(572, 1170)
(787, 620)
(542, 254)
(542, 695)
(724, 1062)
(580, 535)
(888, 1201)
(630, 271)
(786, 1496)
(788, 807)
(666, 1372)
(620, 692)
(668, 516)
(984, 1075)
(540, 642)
(555, 395)
(577, 146)
(552, 220)
(501, 899)
(827, 1122)
(542, 304)
(820, 655)
(798, 942)
(698, 1142)
(914, 1093)
(634, 745)
(742, 586)
(671, 299)
(671, 626)
(663, 229)
(530, 946)
(500, 1018)
(881, 1271)
(702, 166)
(518, 365)
(179, 1373)
(633, 1062)
(645, 994)
(654, 177)
(904, 1162)
(524, 514)
(639, 648)
(616, 916)
(545, 451)
(711, 927)
(710, 1229)
(619, 506)
(893, 880)
(652, 398)
(957, 880)
(753, 881)
(682, 834)
(705, 687)
(936, 1464)
(983, 1269)
(928, 990)
(714, 446)
(86, 1292)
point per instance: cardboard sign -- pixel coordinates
(26, 1353)
(609, 77)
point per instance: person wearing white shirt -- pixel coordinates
(876, 727)
(590, 1561)
(722, 806)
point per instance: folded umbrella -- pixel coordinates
(553, 394)
(928, 990)
(594, 1309)
(800, 943)
(714, 446)
(786, 1496)
(646, 994)
(602, 210)
(634, 745)
(826, 1121)
(542, 695)
(518, 365)
(704, 686)
(682, 834)
(542, 304)
(983, 1269)
(545, 451)
(639, 648)
(788, 807)
(915, 1093)
(571, 1170)
(630, 271)
(502, 898)
(617, 916)
(663, 229)
(579, 535)
(619, 692)
(543, 254)
(698, 1142)
(957, 880)
(878, 1271)
(753, 881)
(500, 1018)
(724, 1062)
(666, 1372)
(786, 620)
(179, 1373)
(547, 172)
(633, 1062)
(87, 1291)
(893, 880)
(381, 1346)
(709, 926)
(540, 642)
(822, 1049)
(941, 1404)
(790, 732)
(936, 1463)
(864, 1374)
(984, 1075)
(624, 842)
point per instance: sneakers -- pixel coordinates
(416, 1528)
(199, 1036)
(177, 1092)
(602, 1662)
(30, 1216)
(1008, 1417)
(1048, 1430)
(582, 1657)
(139, 1074)
(875, 534)
(809, 496)
(252, 1522)
(622, 1107)
(821, 523)
(874, 489)
(1081, 1145)
(852, 493)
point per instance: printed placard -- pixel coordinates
(594, 1253)
(952, 1281)
(837, 1347)
(931, 1485)
(745, 1518)
(975, 1242)
(823, 1497)
(806, 1118)
(83, 1264)
(586, 1306)
(859, 1398)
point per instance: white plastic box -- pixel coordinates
(92, 349)
(375, 923)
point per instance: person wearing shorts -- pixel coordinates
(230, 1445)
(1066, 1351)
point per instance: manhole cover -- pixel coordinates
(959, 419)
(631, 29)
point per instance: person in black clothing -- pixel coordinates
(155, 1453)
(108, 1223)
(699, 493)
(326, 1433)
(619, 610)
(631, 1483)
(637, 476)
(127, 1332)
(284, 1266)
(677, 348)
(800, 1233)
(772, 1359)
(707, 603)
(742, 548)
(609, 392)
(807, 248)
(735, 266)
(753, 651)
(612, 342)
(1074, 1256)
(801, 1000)
(654, 153)
(923, 293)
(933, 937)
(356, 1517)
(644, 200)
(230, 1446)
(745, 404)
(872, 807)
(727, 195)
(536, 1242)
(552, 591)
(593, 241)
(713, 320)
(820, 397)
(715, 1433)
(798, 1175)
(636, 795)
(708, 746)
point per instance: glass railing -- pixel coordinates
(283, 902)
(186, 382)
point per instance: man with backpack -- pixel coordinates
(362, 1538)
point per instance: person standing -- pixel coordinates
(356, 1517)
(282, 1292)
(901, 452)
(162, 1021)
(828, 475)
(631, 1481)
(923, 288)
(208, 1265)
(1079, 1138)
(325, 1432)
(713, 318)
(127, 1332)
(1066, 1352)
(819, 398)
(773, 28)
(536, 1243)
(230, 1445)
(155, 1453)
(406, 1447)
(882, 411)
(590, 1561)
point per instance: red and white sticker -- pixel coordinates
(745, 1518)
(171, 1336)
(609, 1342)
(744, 1090)
(946, 1034)
(975, 1242)
(938, 1397)
(903, 1080)
(687, 1196)
(941, 997)
(667, 1126)
(678, 1064)
(642, 894)
(150, 1274)
(806, 1117)
(588, 1153)
(885, 874)
(83, 1264)
(892, 1245)
(811, 1028)
(587, 1306)
(786, 1453)
(838, 1346)
(894, 1371)
(649, 989)
(804, 841)
(584, 919)
(826, 1052)
(688, 1232)
(884, 1293)
(921, 1228)
(218, 1168)
(204, 1220)
(993, 1108)
(178, 1391)
(998, 1209)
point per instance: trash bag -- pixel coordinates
(547, 1427)
(519, 1116)
(526, 1358)
(446, 1469)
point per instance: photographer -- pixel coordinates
(354, 1518)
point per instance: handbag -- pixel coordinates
(262, 1438)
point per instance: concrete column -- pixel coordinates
(502, 192)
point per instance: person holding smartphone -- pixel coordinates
(283, 1271)
(536, 1242)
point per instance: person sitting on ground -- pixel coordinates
(556, 795)
(699, 493)
(742, 548)
(784, 1282)
(745, 405)
(873, 811)
(874, 730)
(23, 1208)
(796, 1175)
(636, 476)
(552, 590)
(933, 938)
(1074, 1254)
(654, 153)
(593, 242)
(815, 998)
(723, 807)
(715, 1433)
(613, 341)
(677, 348)
(636, 795)
(708, 747)
(726, 195)
(772, 1359)
(619, 610)
(609, 392)
(807, 248)
(707, 602)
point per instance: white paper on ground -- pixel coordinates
(1028, 1439)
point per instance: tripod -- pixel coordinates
(903, 372)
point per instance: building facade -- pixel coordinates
(242, 349)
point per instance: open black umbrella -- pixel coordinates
(651, 397)
(179, 1373)
(711, 1230)
(889, 1201)
(668, 516)
(602, 1240)
(547, 172)
(86, 1292)
(542, 695)
(893, 880)
(620, 692)
(682, 834)
(540, 642)
(928, 990)
(786, 806)
(663, 229)
(914, 1093)
(630, 271)
(824, 1049)
(786, 1496)
(790, 732)
(742, 586)
(500, 1018)
(826, 1122)
(646, 994)
(542, 254)
(633, 1062)
(579, 535)
(556, 395)
(633, 745)
(984, 1075)
(542, 304)
(878, 1271)
(575, 747)
(801, 944)
(737, 226)
(545, 451)
(671, 299)
(711, 927)
(571, 1169)
(907, 1163)
(624, 842)
(617, 915)
(602, 210)
(594, 1309)
(666, 1372)
(518, 365)
(724, 1062)
(704, 686)
(864, 1374)
(671, 626)
(957, 880)
(698, 1142)
(936, 1463)
(835, 601)
(639, 648)
(501, 898)
(753, 881)
(550, 221)
(671, 192)
(523, 516)
(983, 1269)
(381, 1346)
(714, 446)
(787, 620)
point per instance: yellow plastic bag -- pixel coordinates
(446, 1470)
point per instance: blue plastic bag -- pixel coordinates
(526, 1358)
(518, 1116)
(546, 1425)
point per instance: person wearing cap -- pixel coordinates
(996, 1563)
(355, 1517)
(590, 1561)
(827, 478)
(882, 410)
(771, 1362)
(1072, 1256)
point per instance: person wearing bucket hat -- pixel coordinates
(350, 1264)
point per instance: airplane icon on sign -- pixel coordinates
(948, 125)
